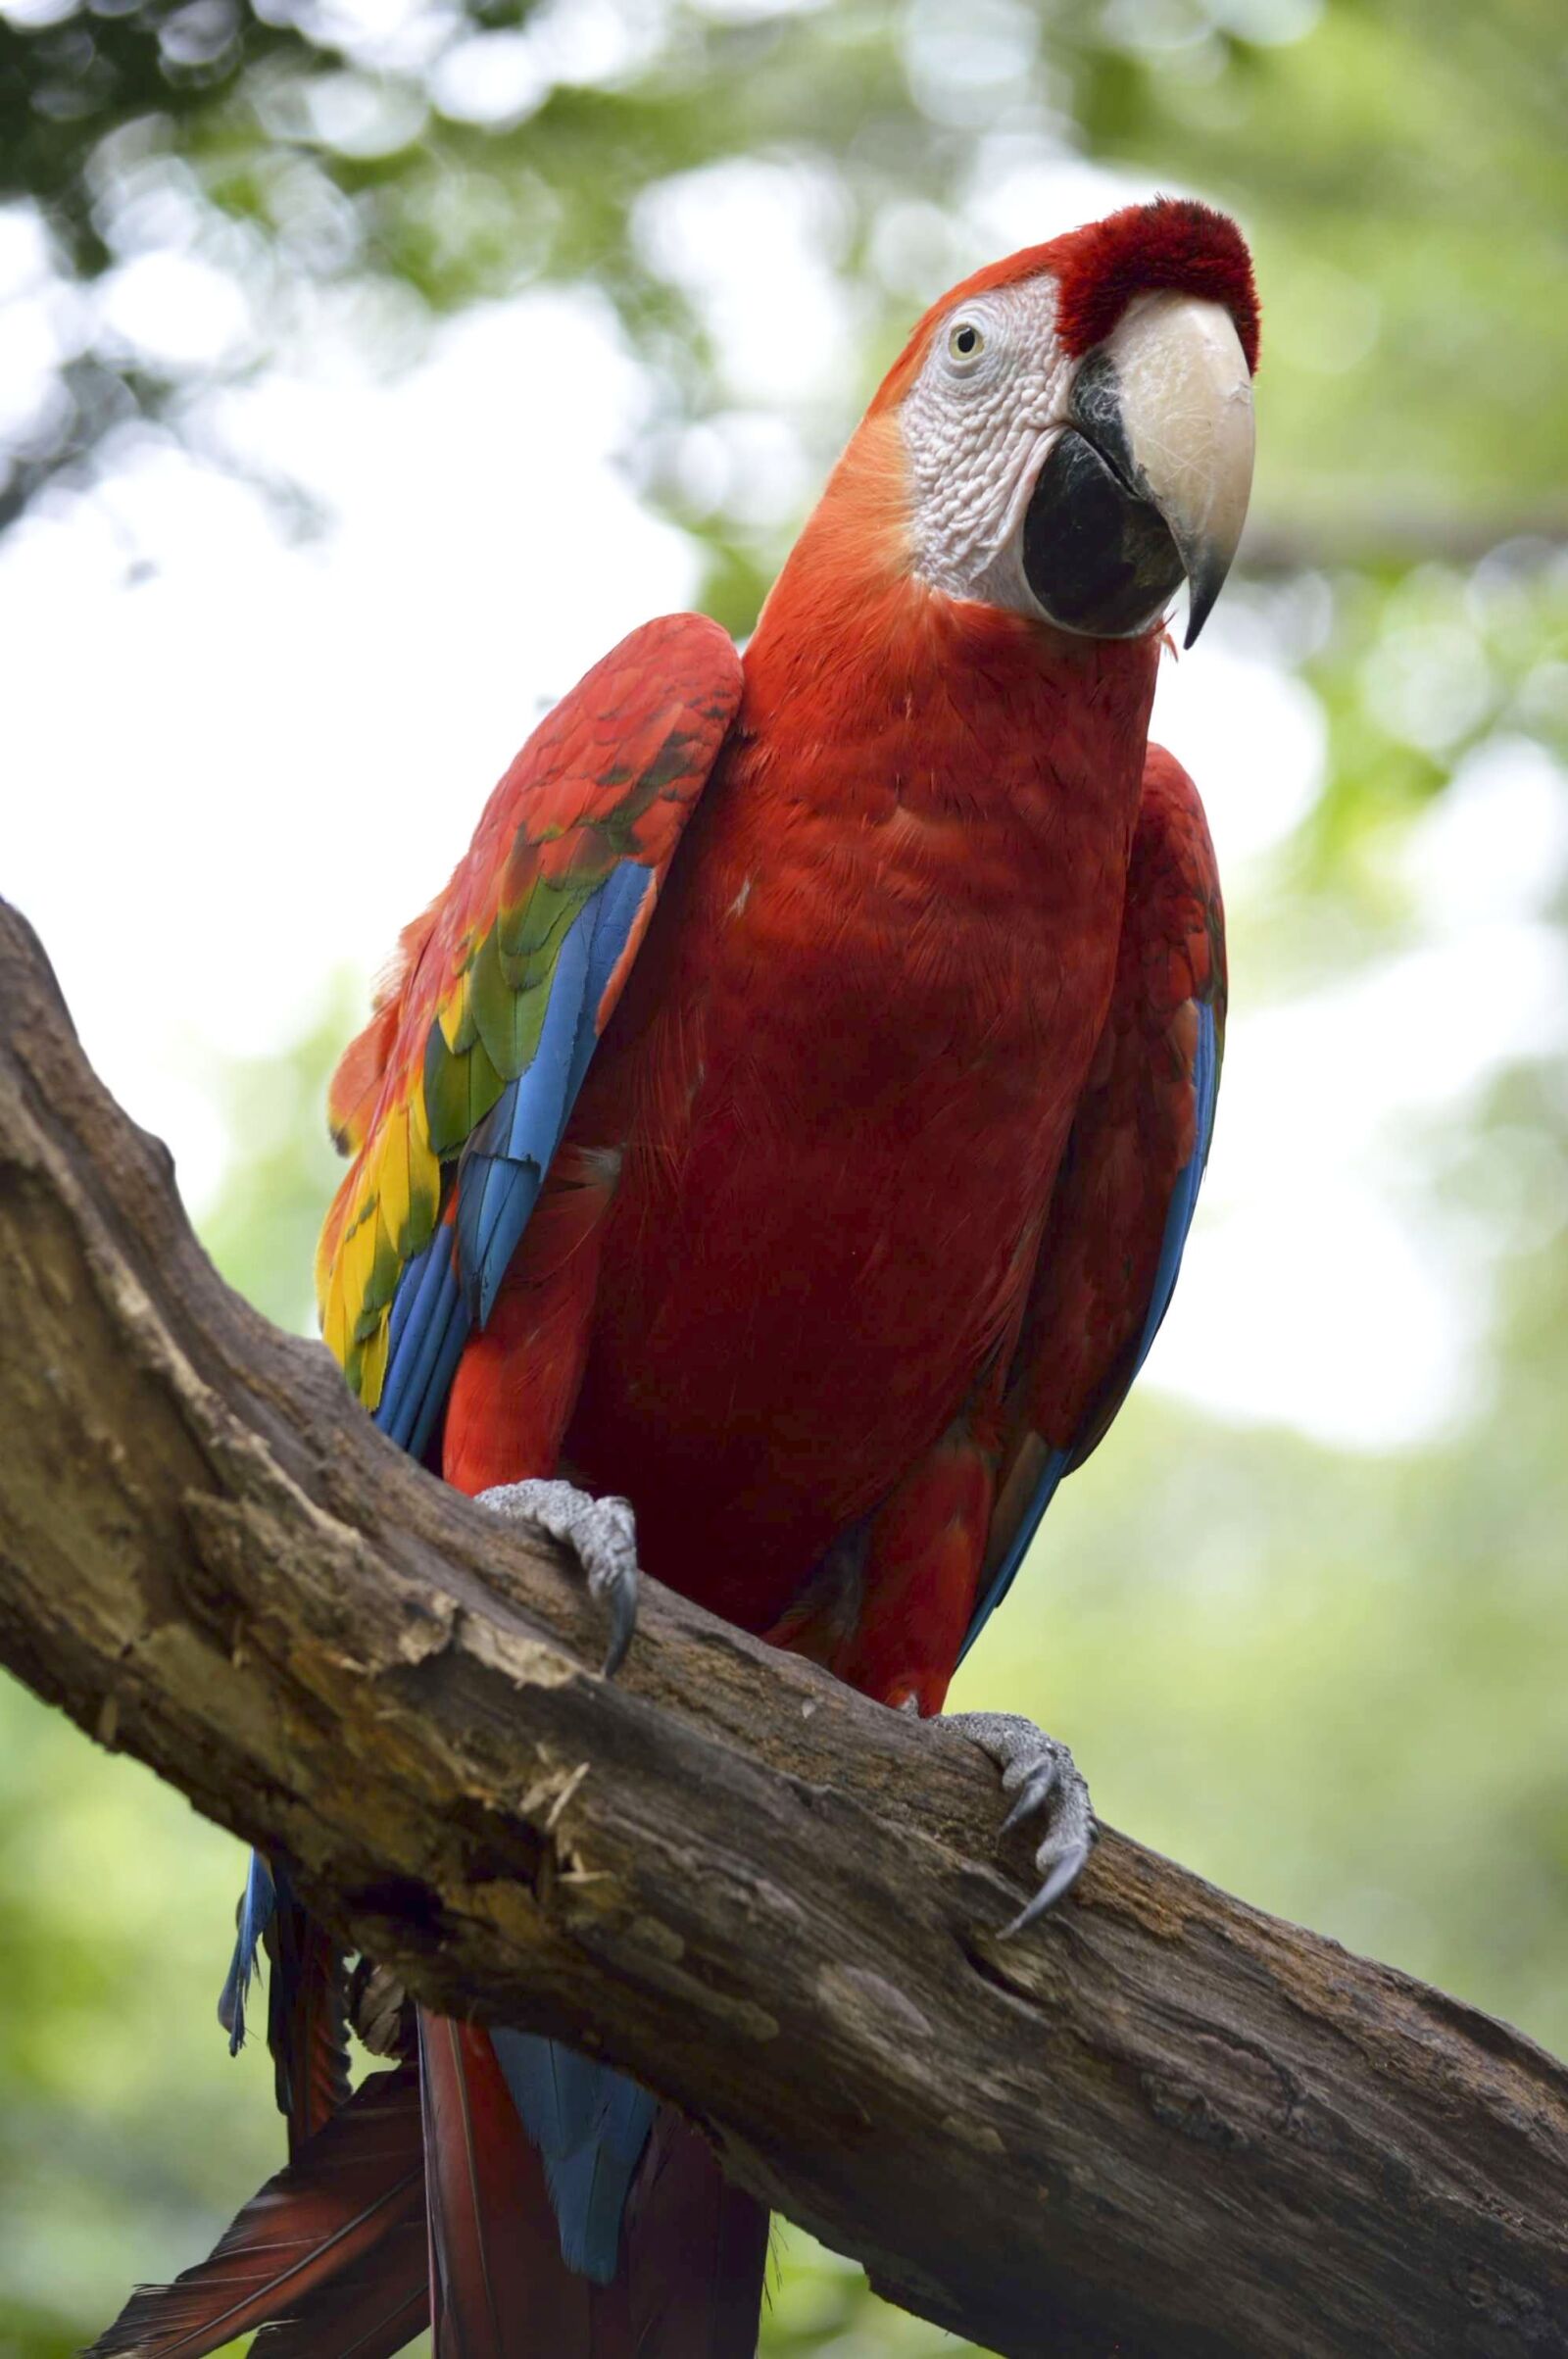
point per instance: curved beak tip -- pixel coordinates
(1206, 572)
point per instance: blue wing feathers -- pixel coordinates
(616, 909)
(430, 1327)
(451, 1288)
(505, 1161)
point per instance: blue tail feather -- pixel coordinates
(257, 1903)
(591, 2125)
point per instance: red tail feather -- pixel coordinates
(696, 2252)
(307, 2022)
(321, 2227)
(371, 2319)
(332, 2258)
(695, 2248)
(499, 2289)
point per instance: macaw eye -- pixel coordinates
(965, 343)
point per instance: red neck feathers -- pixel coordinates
(872, 699)
(852, 645)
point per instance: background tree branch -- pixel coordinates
(1391, 541)
(1162, 2124)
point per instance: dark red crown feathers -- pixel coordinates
(1173, 243)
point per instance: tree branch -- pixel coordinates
(1161, 2124)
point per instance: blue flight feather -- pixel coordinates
(1184, 1195)
(504, 1162)
(1056, 1466)
(257, 1903)
(418, 1273)
(616, 908)
(591, 2125)
(426, 1343)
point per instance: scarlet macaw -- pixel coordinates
(790, 1116)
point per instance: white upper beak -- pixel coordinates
(1174, 379)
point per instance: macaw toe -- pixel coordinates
(1042, 1776)
(601, 1533)
(380, 2010)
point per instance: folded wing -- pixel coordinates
(1125, 1194)
(454, 1096)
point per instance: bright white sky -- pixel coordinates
(235, 765)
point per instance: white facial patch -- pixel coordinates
(977, 422)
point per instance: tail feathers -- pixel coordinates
(307, 2005)
(307, 2017)
(591, 2124)
(316, 2233)
(591, 2206)
(696, 2252)
(498, 2287)
(256, 1905)
(370, 2319)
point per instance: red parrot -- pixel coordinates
(789, 1119)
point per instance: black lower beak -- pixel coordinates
(1098, 558)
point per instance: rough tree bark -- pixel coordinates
(1161, 2125)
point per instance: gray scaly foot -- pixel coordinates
(1041, 1775)
(601, 1533)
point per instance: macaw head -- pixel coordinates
(1076, 424)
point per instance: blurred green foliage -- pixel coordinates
(1398, 168)
(1329, 1680)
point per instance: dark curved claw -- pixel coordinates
(621, 1602)
(1041, 1775)
(1034, 1791)
(601, 1533)
(1069, 1866)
